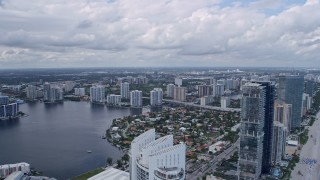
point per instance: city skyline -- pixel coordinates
(121, 33)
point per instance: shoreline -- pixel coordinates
(310, 151)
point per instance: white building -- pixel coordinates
(178, 82)
(306, 103)
(170, 90)
(79, 91)
(52, 93)
(278, 142)
(180, 93)
(136, 98)
(97, 94)
(113, 99)
(125, 90)
(156, 96)
(111, 174)
(225, 102)
(7, 169)
(156, 159)
(218, 90)
(206, 100)
(31, 92)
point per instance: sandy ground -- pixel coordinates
(308, 167)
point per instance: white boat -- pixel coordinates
(89, 151)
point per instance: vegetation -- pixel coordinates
(89, 174)
(304, 137)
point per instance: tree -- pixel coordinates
(109, 161)
(119, 162)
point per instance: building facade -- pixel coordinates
(279, 142)
(170, 90)
(31, 92)
(136, 98)
(290, 91)
(252, 131)
(204, 90)
(79, 91)
(156, 159)
(125, 90)
(156, 96)
(180, 93)
(97, 94)
(113, 99)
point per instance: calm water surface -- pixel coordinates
(54, 138)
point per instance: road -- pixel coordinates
(204, 169)
(203, 107)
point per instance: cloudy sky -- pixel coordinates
(116, 33)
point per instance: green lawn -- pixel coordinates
(87, 175)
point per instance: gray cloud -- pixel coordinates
(141, 33)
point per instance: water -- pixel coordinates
(54, 138)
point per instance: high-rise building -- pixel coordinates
(283, 113)
(178, 81)
(212, 81)
(31, 92)
(52, 93)
(306, 103)
(113, 99)
(156, 159)
(205, 100)
(125, 90)
(290, 91)
(97, 94)
(79, 91)
(309, 87)
(156, 96)
(136, 98)
(180, 93)
(225, 102)
(218, 89)
(256, 130)
(9, 110)
(204, 90)
(278, 142)
(4, 100)
(170, 90)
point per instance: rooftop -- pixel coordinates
(111, 174)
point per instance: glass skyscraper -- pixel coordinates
(290, 91)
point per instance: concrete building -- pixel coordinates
(218, 90)
(52, 93)
(204, 90)
(136, 98)
(255, 131)
(278, 142)
(170, 90)
(290, 91)
(206, 100)
(31, 92)
(125, 90)
(225, 102)
(283, 113)
(156, 159)
(156, 96)
(306, 103)
(212, 81)
(113, 99)
(97, 94)
(180, 93)
(79, 91)
(111, 173)
(178, 81)
(7, 169)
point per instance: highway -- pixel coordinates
(205, 168)
(199, 106)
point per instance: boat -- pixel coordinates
(89, 151)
